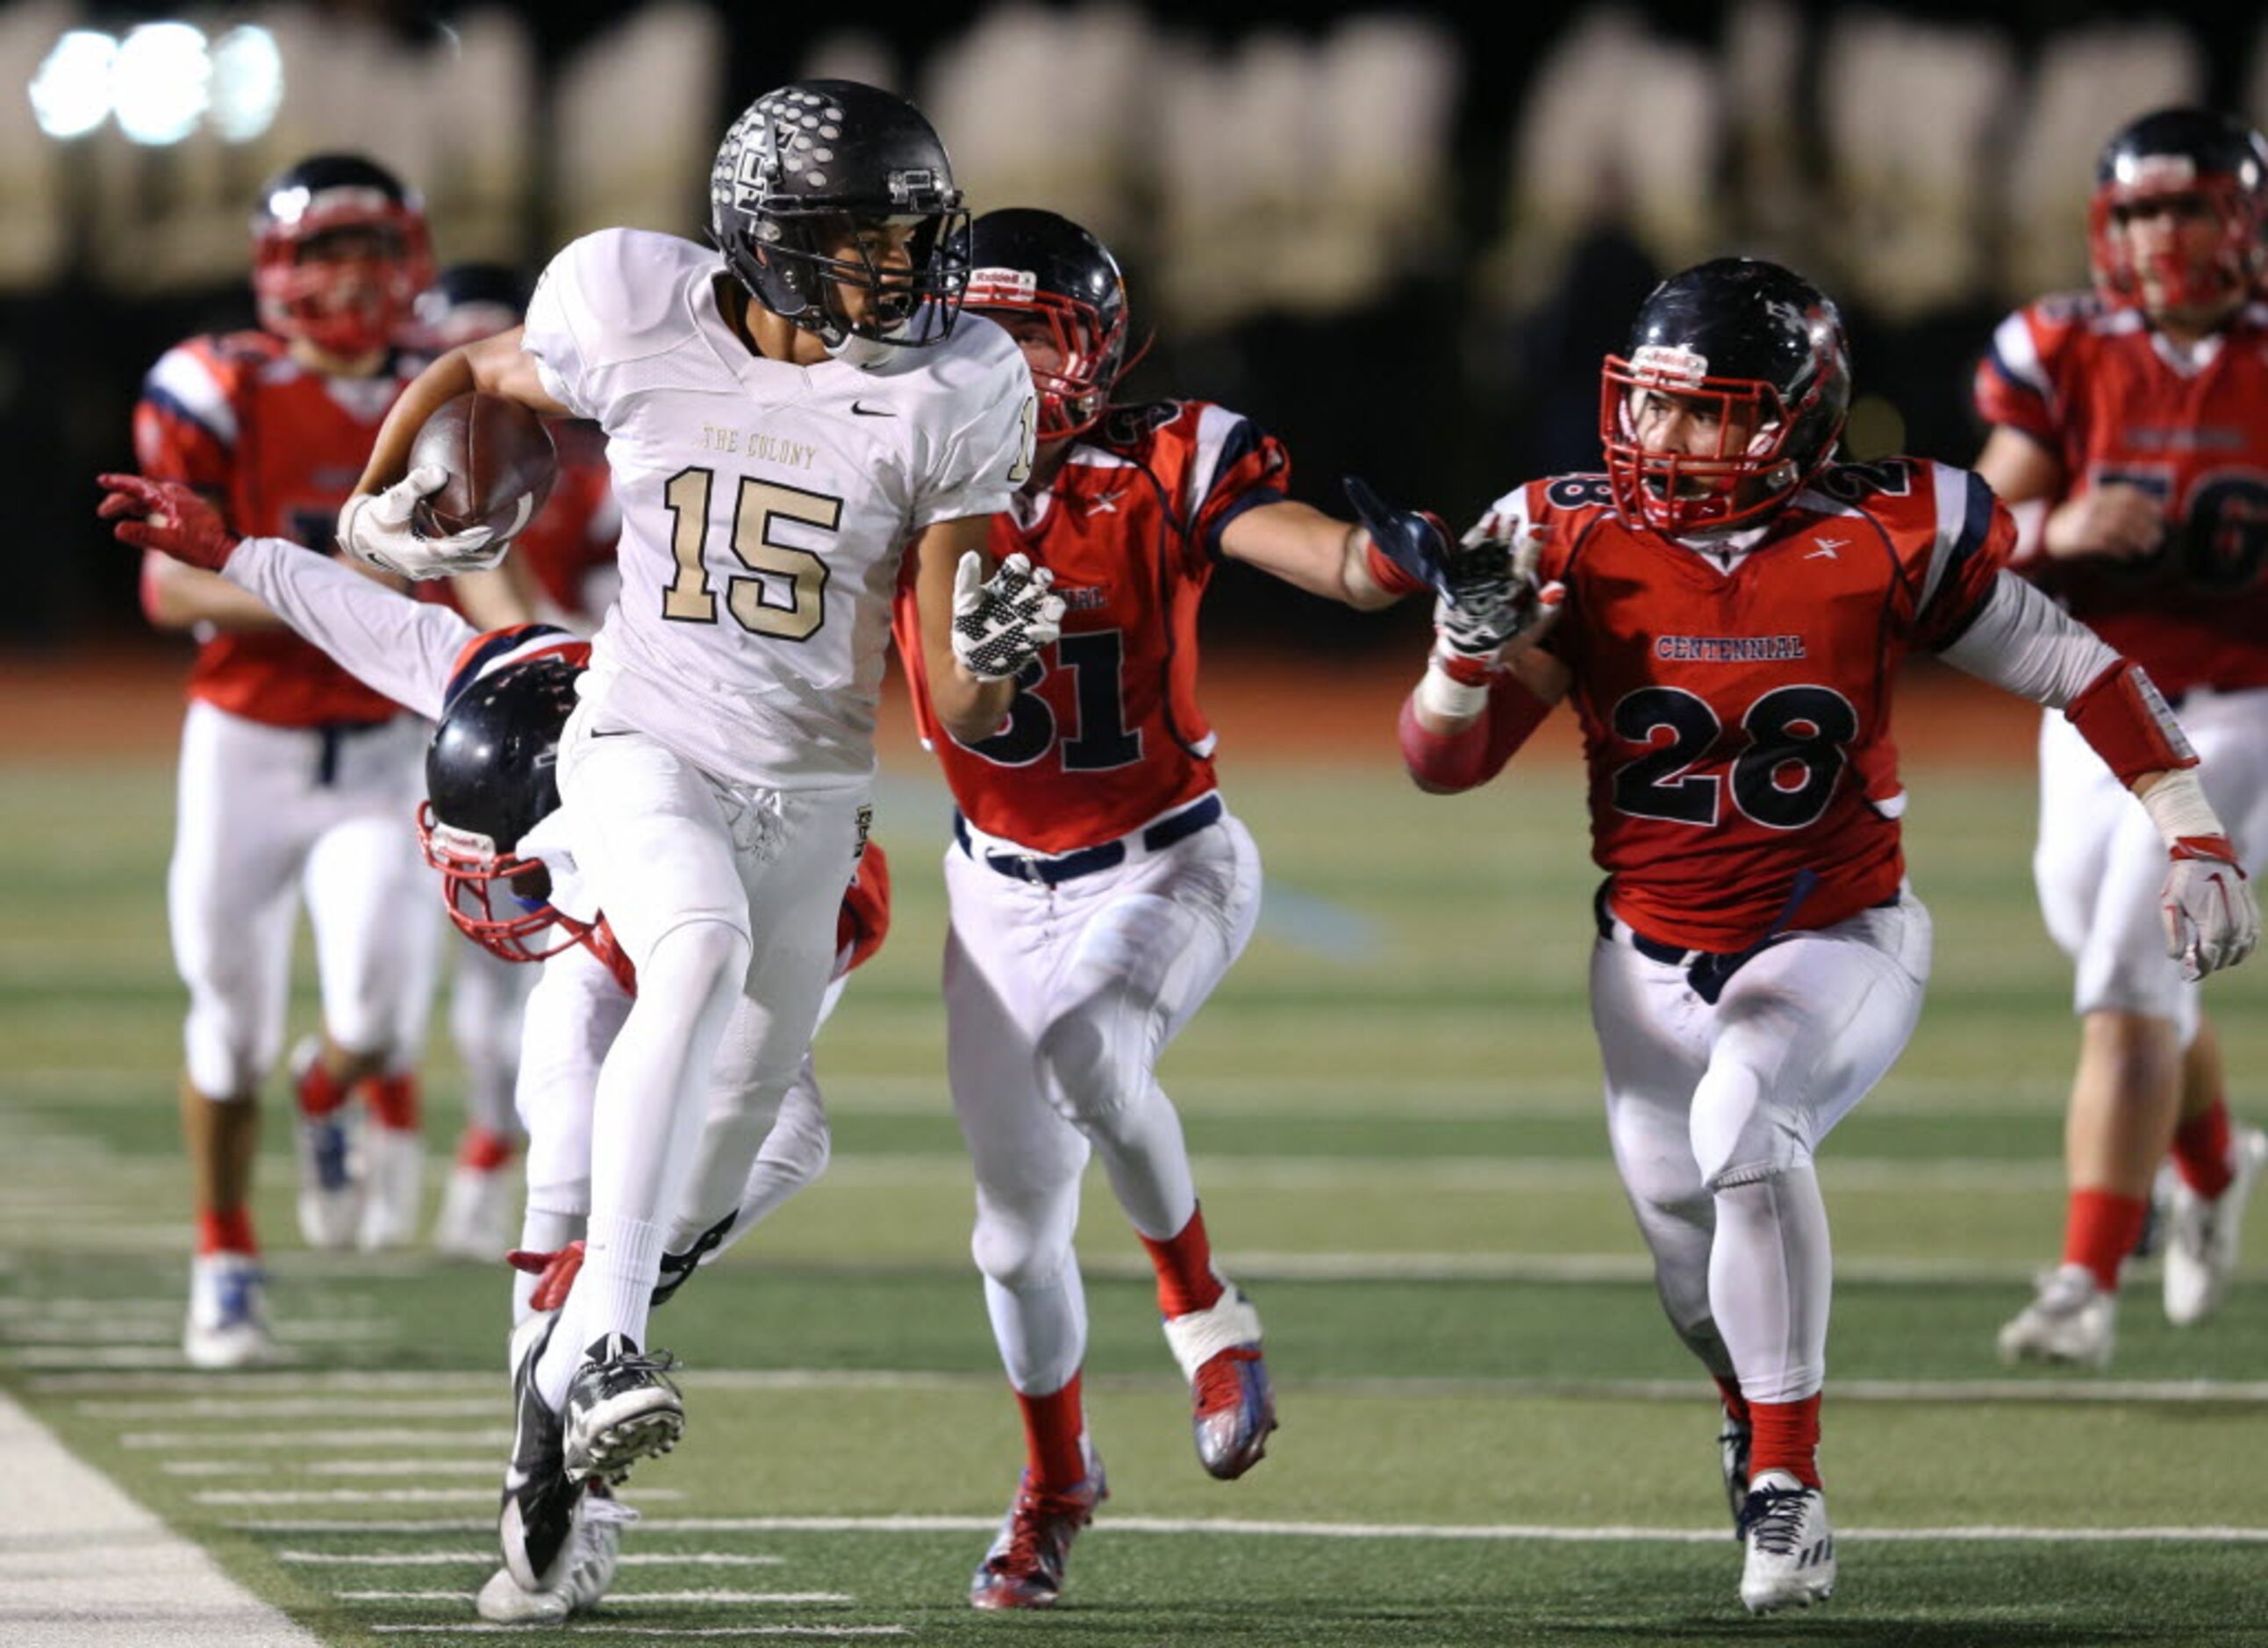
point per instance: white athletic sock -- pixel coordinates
(1040, 1329)
(1769, 1283)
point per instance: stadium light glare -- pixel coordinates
(248, 83)
(71, 93)
(161, 83)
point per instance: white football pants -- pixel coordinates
(1058, 1001)
(2101, 866)
(1714, 1113)
(269, 812)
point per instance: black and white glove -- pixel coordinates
(1489, 598)
(376, 528)
(1000, 623)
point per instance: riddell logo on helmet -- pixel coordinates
(1671, 363)
(1003, 286)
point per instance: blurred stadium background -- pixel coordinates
(1403, 252)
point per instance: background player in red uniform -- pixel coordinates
(563, 567)
(294, 776)
(1733, 608)
(1098, 888)
(2131, 432)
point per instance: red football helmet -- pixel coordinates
(347, 304)
(1027, 262)
(530, 928)
(2179, 152)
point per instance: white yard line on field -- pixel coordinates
(397, 1438)
(756, 1598)
(260, 1496)
(330, 1467)
(469, 1555)
(83, 1566)
(581, 1629)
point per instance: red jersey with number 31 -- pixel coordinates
(1736, 712)
(1105, 734)
(2114, 401)
(279, 448)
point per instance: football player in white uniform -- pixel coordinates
(783, 424)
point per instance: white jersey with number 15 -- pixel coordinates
(764, 505)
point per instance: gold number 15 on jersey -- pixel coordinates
(690, 599)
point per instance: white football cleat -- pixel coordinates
(1791, 1561)
(583, 1577)
(479, 1213)
(228, 1313)
(330, 1176)
(2073, 1322)
(2201, 1236)
(392, 1176)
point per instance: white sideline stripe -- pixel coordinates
(111, 1355)
(295, 1407)
(83, 1566)
(367, 1525)
(397, 1438)
(2045, 1388)
(168, 1332)
(330, 1467)
(254, 1497)
(584, 1629)
(485, 1554)
(772, 1599)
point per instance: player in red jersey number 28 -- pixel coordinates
(1726, 607)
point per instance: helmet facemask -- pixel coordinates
(2174, 280)
(1749, 476)
(1074, 394)
(309, 285)
(500, 901)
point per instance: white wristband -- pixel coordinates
(1443, 696)
(2177, 806)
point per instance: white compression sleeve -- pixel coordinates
(2023, 642)
(390, 642)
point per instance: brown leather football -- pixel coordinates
(500, 462)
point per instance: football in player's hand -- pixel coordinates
(500, 462)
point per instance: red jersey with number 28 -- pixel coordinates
(2101, 389)
(279, 448)
(1736, 712)
(1105, 734)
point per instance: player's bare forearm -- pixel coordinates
(494, 366)
(179, 597)
(503, 596)
(968, 708)
(1310, 550)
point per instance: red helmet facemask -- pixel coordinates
(347, 306)
(1681, 492)
(1074, 396)
(529, 928)
(2230, 270)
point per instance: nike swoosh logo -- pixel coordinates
(865, 410)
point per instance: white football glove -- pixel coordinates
(1489, 598)
(375, 529)
(2210, 919)
(1000, 623)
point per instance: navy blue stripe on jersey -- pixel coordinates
(1976, 527)
(2010, 379)
(174, 407)
(489, 652)
(1258, 497)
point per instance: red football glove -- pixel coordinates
(168, 517)
(2210, 919)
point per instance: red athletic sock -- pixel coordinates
(1053, 1427)
(320, 1092)
(2099, 1231)
(228, 1232)
(1785, 1437)
(1735, 1404)
(482, 1151)
(1184, 1267)
(392, 1100)
(2201, 1151)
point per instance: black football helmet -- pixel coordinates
(1762, 350)
(1026, 261)
(469, 301)
(325, 301)
(2181, 151)
(801, 168)
(489, 779)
